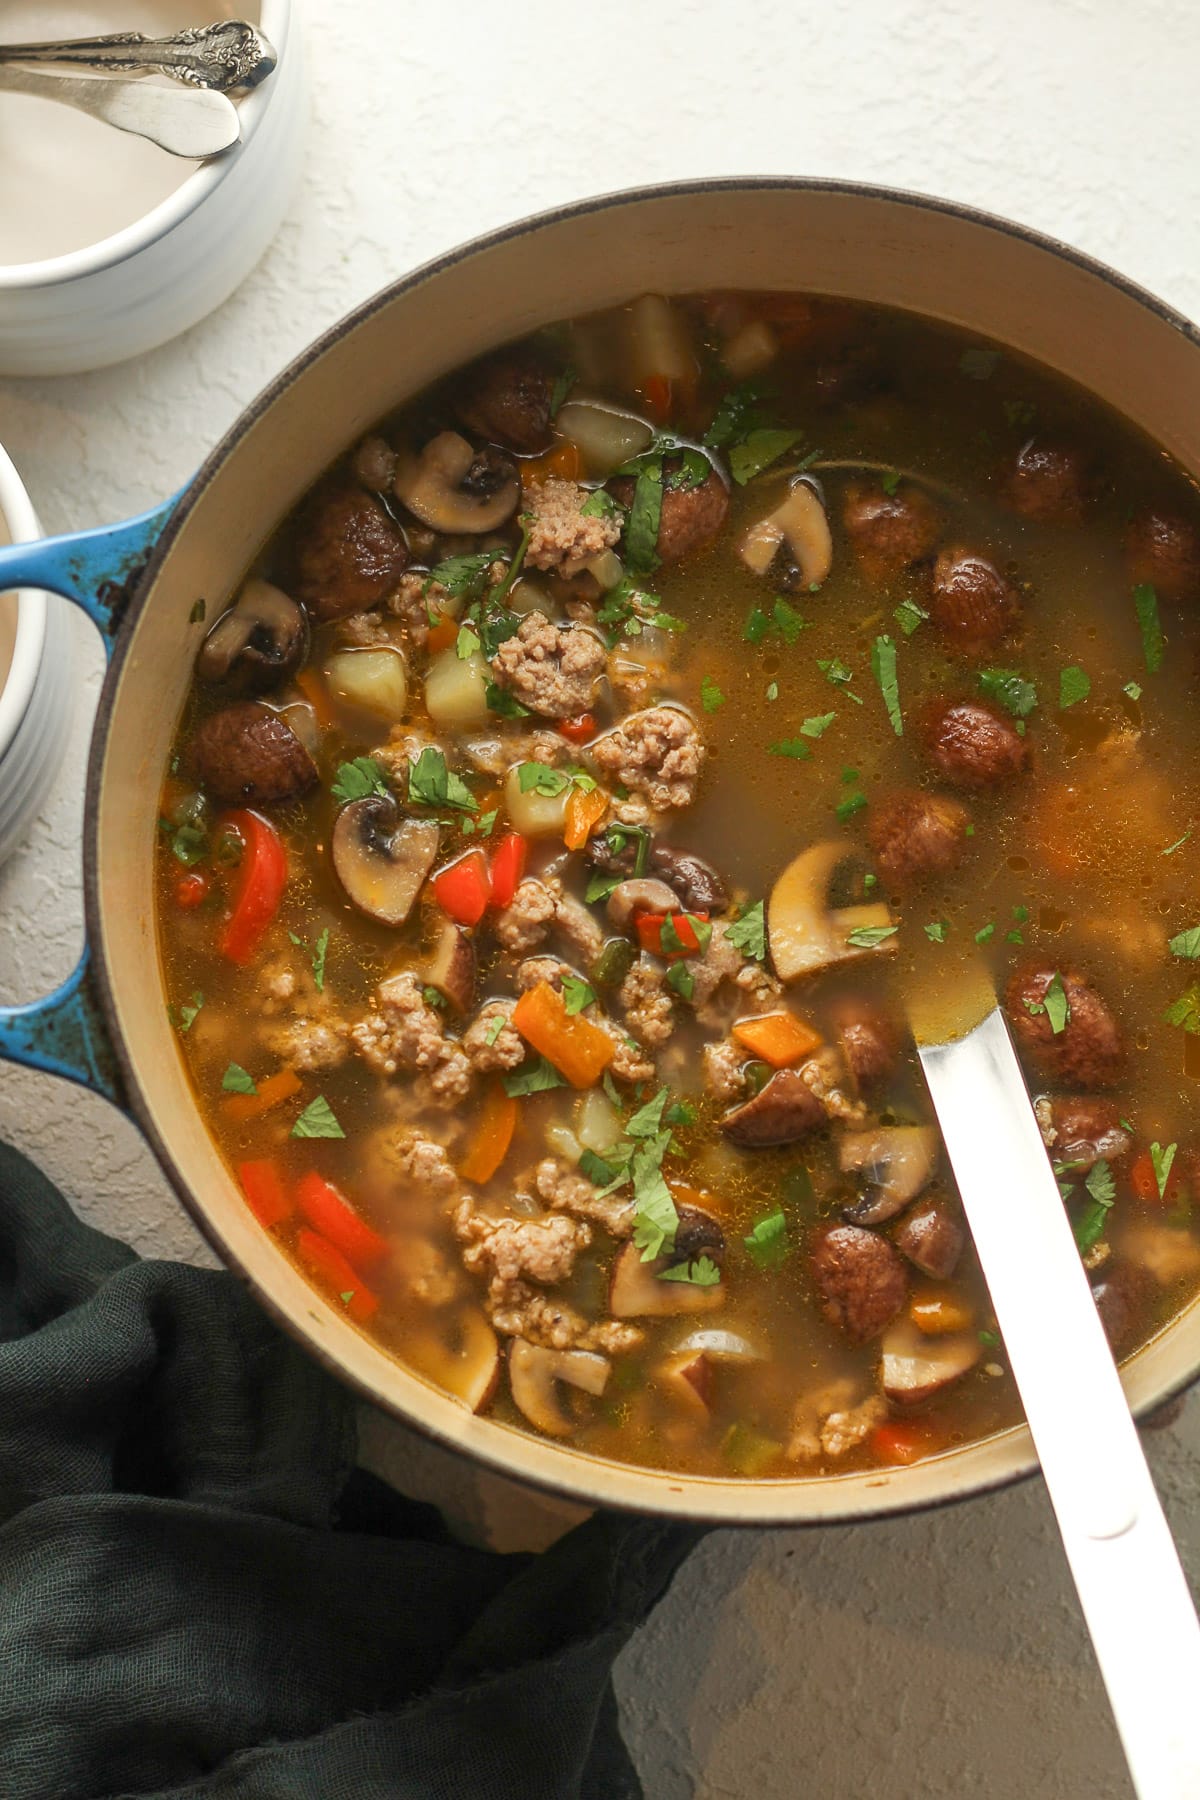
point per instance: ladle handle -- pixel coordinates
(65, 1033)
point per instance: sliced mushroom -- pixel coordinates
(381, 858)
(452, 487)
(784, 1110)
(721, 1345)
(451, 968)
(932, 1238)
(898, 1162)
(697, 1234)
(697, 884)
(635, 1291)
(915, 1367)
(466, 1362)
(261, 640)
(643, 895)
(805, 934)
(534, 1371)
(802, 522)
(688, 1377)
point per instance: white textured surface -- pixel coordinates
(936, 1656)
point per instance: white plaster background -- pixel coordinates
(935, 1656)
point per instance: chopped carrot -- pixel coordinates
(658, 393)
(937, 1312)
(778, 1038)
(262, 1185)
(579, 730)
(1144, 1181)
(280, 1086)
(328, 1211)
(326, 1264)
(577, 1048)
(904, 1440)
(493, 1135)
(563, 460)
(443, 634)
(312, 686)
(584, 813)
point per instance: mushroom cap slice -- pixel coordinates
(784, 1110)
(466, 1363)
(451, 968)
(382, 859)
(259, 642)
(804, 933)
(802, 521)
(635, 1292)
(533, 1374)
(721, 1345)
(452, 487)
(640, 894)
(915, 1367)
(898, 1161)
(687, 1376)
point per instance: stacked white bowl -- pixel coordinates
(35, 654)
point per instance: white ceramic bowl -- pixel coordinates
(146, 283)
(35, 686)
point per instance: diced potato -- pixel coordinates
(603, 436)
(527, 595)
(606, 568)
(561, 1141)
(531, 813)
(375, 680)
(660, 340)
(750, 350)
(597, 1122)
(456, 690)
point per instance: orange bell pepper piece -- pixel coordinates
(778, 1038)
(584, 813)
(493, 1137)
(443, 634)
(312, 686)
(579, 1050)
(904, 1440)
(563, 460)
(277, 1087)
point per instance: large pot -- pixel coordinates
(108, 1025)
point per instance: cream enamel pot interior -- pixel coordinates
(867, 244)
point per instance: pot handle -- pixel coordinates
(65, 1033)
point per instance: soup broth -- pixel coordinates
(571, 797)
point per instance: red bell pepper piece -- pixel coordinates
(262, 1185)
(580, 730)
(330, 1213)
(326, 1264)
(261, 878)
(508, 866)
(464, 888)
(650, 929)
(658, 391)
(1144, 1181)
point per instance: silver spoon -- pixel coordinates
(195, 124)
(1131, 1587)
(229, 54)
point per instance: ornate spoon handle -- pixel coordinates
(229, 54)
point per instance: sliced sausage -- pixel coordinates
(970, 745)
(889, 532)
(249, 755)
(350, 554)
(860, 1280)
(932, 1238)
(1164, 549)
(1082, 1130)
(1088, 1052)
(1123, 1294)
(915, 835)
(1049, 482)
(868, 1040)
(506, 399)
(971, 603)
(691, 517)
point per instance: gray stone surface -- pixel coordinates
(935, 1656)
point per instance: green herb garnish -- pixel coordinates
(1009, 690)
(908, 615)
(711, 697)
(1073, 686)
(317, 1121)
(1145, 604)
(868, 937)
(1057, 1006)
(702, 1273)
(883, 667)
(749, 933)
(577, 994)
(533, 1078)
(431, 783)
(357, 779)
(767, 1243)
(758, 451)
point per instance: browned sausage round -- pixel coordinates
(867, 1038)
(1049, 483)
(350, 554)
(1088, 1052)
(971, 604)
(691, 517)
(931, 1235)
(915, 835)
(971, 745)
(1122, 1293)
(1164, 549)
(249, 755)
(506, 399)
(860, 1280)
(889, 532)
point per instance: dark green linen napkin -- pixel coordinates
(200, 1596)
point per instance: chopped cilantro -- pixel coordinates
(1009, 690)
(533, 1078)
(837, 674)
(1073, 686)
(1179, 842)
(317, 1121)
(235, 1080)
(1014, 937)
(655, 1220)
(702, 1273)
(1186, 1010)
(577, 994)
(758, 451)
(739, 413)
(466, 643)
(1161, 1161)
(818, 725)
(502, 703)
(908, 615)
(883, 667)
(564, 381)
(645, 514)
(188, 1009)
(846, 809)
(889, 481)
(600, 505)
(517, 558)
(794, 747)
(782, 621)
(1057, 1006)
(868, 937)
(433, 997)
(711, 697)
(465, 577)
(496, 625)
(671, 942)
(681, 979)
(749, 933)
(494, 1027)
(189, 843)
(1145, 604)
(1020, 914)
(1133, 689)
(1100, 1184)
(540, 778)
(990, 1340)
(347, 1296)
(1186, 944)
(937, 931)
(628, 609)
(985, 934)
(1088, 1227)
(767, 1243)
(357, 779)
(431, 783)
